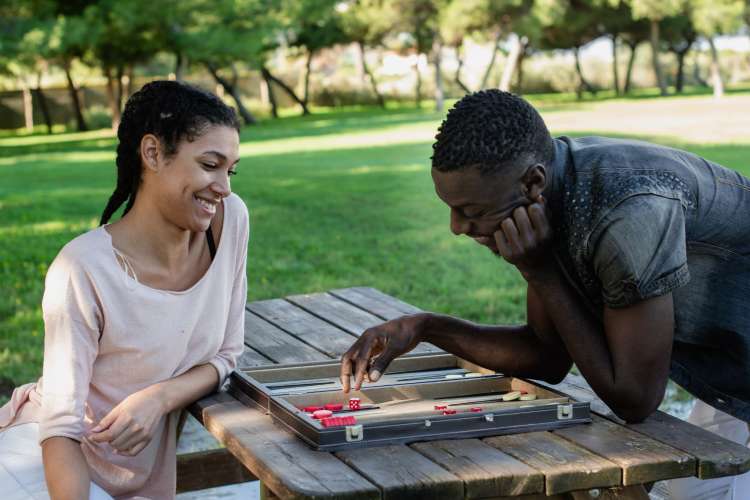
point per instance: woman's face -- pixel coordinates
(188, 186)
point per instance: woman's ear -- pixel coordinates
(151, 153)
(534, 181)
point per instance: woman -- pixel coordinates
(142, 316)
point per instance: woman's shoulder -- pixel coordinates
(82, 252)
(236, 208)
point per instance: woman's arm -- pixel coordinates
(65, 469)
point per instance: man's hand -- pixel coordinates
(130, 426)
(377, 347)
(524, 237)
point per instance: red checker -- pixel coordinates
(334, 406)
(320, 414)
(476, 409)
(441, 407)
(449, 412)
(337, 421)
(311, 409)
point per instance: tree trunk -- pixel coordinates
(370, 76)
(231, 89)
(179, 66)
(28, 107)
(43, 103)
(697, 73)
(519, 45)
(658, 73)
(308, 65)
(679, 81)
(519, 73)
(287, 89)
(129, 81)
(80, 121)
(584, 84)
(716, 81)
(615, 68)
(114, 108)
(629, 70)
(439, 94)
(418, 90)
(120, 88)
(457, 78)
(495, 49)
(271, 96)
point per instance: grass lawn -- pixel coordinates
(337, 199)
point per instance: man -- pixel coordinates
(636, 257)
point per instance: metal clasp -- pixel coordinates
(564, 412)
(354, 433)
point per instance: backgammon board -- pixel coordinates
(419, 398)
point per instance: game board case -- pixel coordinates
(400, 407)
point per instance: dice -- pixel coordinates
(354, 404)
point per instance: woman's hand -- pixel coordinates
(130, 426)
(523, 240)
(377, 347)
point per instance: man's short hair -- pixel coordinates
(491, 129)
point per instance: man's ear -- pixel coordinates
(151, 152)
(534, 181)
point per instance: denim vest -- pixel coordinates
(634, 220)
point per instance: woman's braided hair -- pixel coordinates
(170, 110)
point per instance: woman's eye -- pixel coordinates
(209, 166)
(232, 172)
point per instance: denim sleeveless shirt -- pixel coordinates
(634, 220)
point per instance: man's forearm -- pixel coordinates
(182, 390)
(513, 350)
(65, 469)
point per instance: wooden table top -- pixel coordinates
(605, 455)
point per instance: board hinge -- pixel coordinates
(354, 433)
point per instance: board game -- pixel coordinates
(419, 398)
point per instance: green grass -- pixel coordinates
(336, 199)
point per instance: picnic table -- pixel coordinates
(604, 459)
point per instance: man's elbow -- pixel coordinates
(634, 410)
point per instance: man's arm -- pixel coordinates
(65, 469)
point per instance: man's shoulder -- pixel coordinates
(593, 151)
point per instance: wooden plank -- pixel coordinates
(565, 465)
(345, 315)
(313, 331)
(208, 469)
(641, 458)
(485, 471)
(285, 464)
(277, 344)
(375, 302)
(715, 456)
(402, 473)
(250, 358)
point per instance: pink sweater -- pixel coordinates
(108, 336)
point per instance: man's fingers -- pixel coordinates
(539, 220)
(381, 363)
(502, 244)
(525, 230)
(511, 234)
(362, 363)
(346, 371)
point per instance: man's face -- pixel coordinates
(479, 203)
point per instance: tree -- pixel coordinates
(367, 23)
(680, 35)
(635, 33)
(654, 11)
(713, 18)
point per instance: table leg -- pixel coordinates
(637, 492)
(265, 493)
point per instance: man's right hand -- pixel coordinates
(378, 346)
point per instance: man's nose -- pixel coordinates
(459, 224)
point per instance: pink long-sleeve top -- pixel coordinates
(108, 336)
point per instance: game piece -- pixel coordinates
(334, 406)
(454, 375)
(354, 404)
(449, 412)
(523, 392)
(473, 374)
(527, 397)
(475, 409)
(311, 409)
(320, 414)
(511, 396)
(336, 421)
(441, 407)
